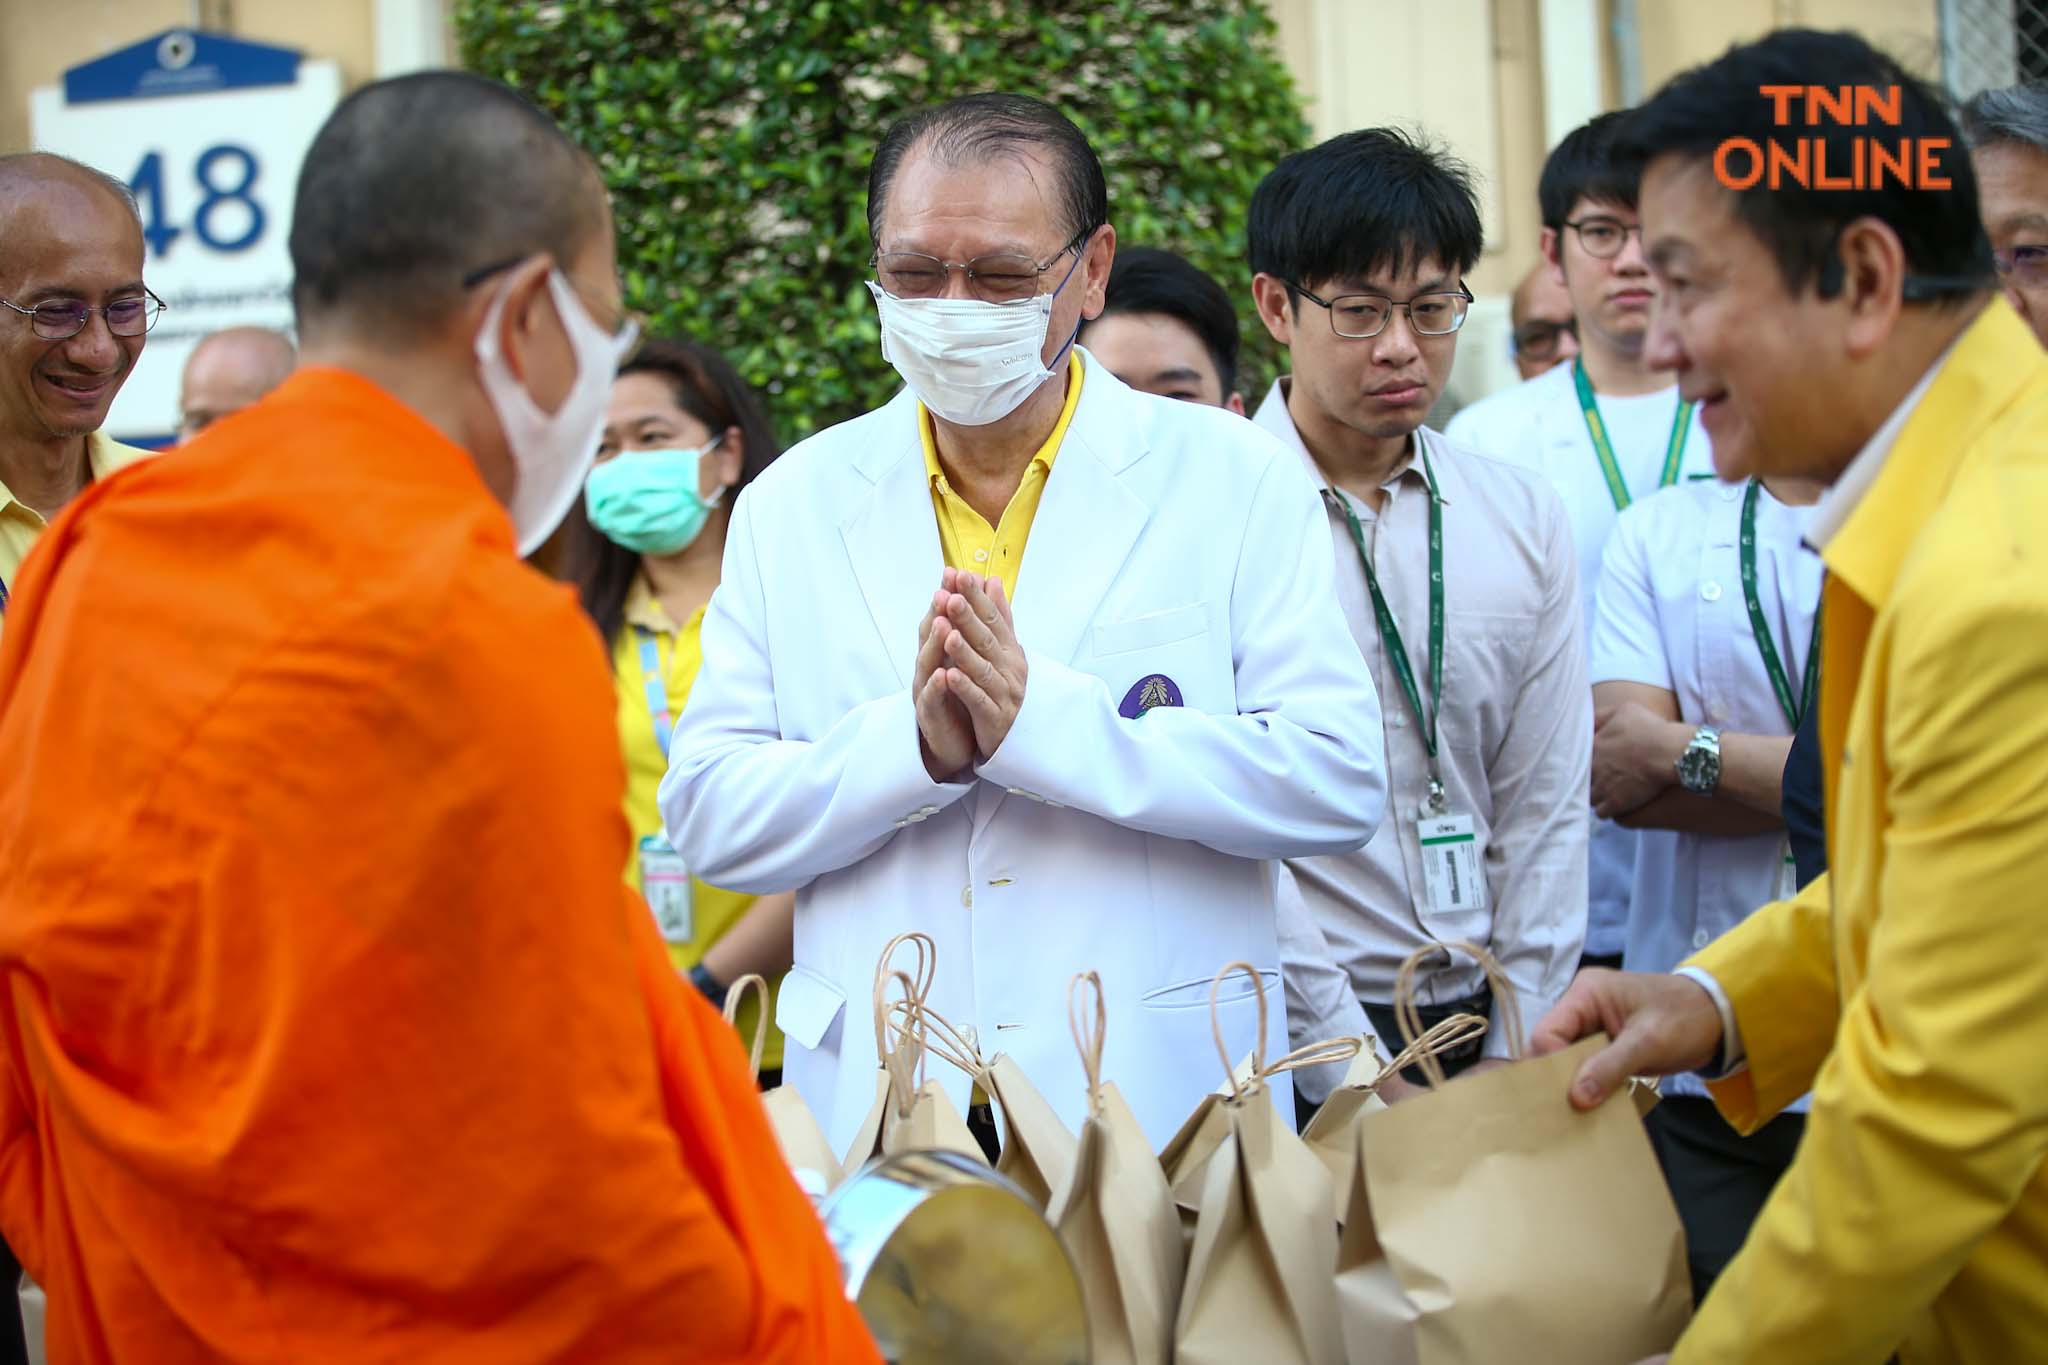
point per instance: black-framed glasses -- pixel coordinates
(1605, 237)
(2026, 264)
(62, 319)
(1003, 277)
(1357, 316)
(1538, 338)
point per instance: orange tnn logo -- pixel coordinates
(1863, 161)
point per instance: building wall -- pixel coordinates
(39, 39)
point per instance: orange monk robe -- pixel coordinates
(327, 1029)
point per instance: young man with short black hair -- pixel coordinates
(1458, 580)
(1167, 328)
(1605, 429)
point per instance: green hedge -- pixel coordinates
(736, 134)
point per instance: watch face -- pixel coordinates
(1698, 769)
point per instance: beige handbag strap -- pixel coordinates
(1507, 1004)
(1238, 1089)
(1087, 1039)
(737, 991)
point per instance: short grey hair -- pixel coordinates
(2017, 113)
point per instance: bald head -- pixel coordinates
(29, 175)
(420, 183)
(1541, 315)
(229, 371)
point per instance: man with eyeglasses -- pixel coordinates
(1044, 667)
(2008, 136)
(330, 1031)
(73, 318)
(1543, 332)
(1605, 429)
(1457, 579)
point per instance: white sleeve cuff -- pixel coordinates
(1733, 1058)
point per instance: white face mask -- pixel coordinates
(970, 362)
(551, 452)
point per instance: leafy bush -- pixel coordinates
(736, 134)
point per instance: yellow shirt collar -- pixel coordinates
(103, 455)
(1046, 452)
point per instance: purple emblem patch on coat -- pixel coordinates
(1154, 689)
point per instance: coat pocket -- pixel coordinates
(1150, 631)
(807, 1006)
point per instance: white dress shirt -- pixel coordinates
(1538, 424)
(1672, 615)
(1514, 739)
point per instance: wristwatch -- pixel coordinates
(707, 985)
(1699, 767)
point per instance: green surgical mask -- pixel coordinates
(647, 501)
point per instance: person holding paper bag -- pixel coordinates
(1457, 578)
(1854, 337)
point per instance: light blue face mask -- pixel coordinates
(647, 501)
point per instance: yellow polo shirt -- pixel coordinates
(965, 536)
(679, 652)
(20, 524)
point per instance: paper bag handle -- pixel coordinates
(1507, 1004)
(1439, 1038)
(1316, 1054)
(734, 994)
(1237, 1090)
(1088, 1041)
(936, 1034)
(920, 978)
(904, 1063)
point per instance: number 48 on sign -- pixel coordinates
(227, 216)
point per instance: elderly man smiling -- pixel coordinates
(1051, 754)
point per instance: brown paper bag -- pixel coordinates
(795, 1127)
(1035, 1149)
(909, 1112)
(1115, 1215)
(1329, 1133)
(1258, 1284)
(1489, 1220)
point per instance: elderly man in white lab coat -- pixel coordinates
(1023, 659)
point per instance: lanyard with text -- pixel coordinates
(1390, 631)
(3, 594)
(657, 691)
(1610, 468)
(1781, 682)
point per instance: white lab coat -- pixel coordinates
(1171, 539)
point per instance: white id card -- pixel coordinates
(665, 882)
(1451, 874)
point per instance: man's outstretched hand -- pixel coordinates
(1660, 1023)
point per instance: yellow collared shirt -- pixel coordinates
(680, 653)
(965, 536)
(20, 524)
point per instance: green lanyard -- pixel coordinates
(1390, 632)
(1794, 708)
(1674, 446)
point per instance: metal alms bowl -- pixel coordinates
(950, 1264)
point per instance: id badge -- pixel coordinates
(1788, 871)
(665, 882)
(1451, 875)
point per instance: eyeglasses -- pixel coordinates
(2027, 265)
(1539, 340)
(1604, 237)
(1357, 316)
(62, 319)
(1004, 277)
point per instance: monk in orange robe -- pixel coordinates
(327, 1029)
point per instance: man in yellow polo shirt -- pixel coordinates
(1043, 667)
(73, 317)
